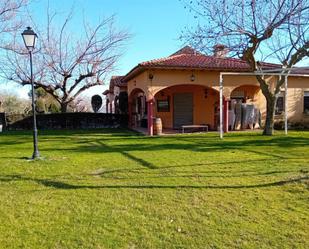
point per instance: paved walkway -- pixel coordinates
(167, 132)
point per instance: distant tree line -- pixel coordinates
(12, 104)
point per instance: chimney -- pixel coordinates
(220, 51)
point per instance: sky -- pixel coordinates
(155, 26)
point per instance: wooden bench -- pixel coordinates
(204, 127)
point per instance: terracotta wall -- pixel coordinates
(203, 104)
(295, 106)
(140, 81)
(166, 78)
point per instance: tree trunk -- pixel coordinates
(270, 112)
(64, 107)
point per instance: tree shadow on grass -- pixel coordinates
(14, 141)
(67, 186)
(131, 157)
(102, 146)
(200, 175)
(194, 141)
(201, 144)
(266, 153)
(193, 166)
(20, 137)
(140, 161)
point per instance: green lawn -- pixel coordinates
(117, 189)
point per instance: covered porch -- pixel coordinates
(188, 104)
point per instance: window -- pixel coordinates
(306, 102)
(163, 105)
(279, 109)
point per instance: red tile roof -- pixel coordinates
(117, 81)
(188, 58)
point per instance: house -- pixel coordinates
(116, 86)
(183, 89)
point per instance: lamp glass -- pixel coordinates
(29, 38)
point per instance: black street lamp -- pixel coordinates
(29, 38)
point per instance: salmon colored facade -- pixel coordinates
(155, 90)
(204, 104)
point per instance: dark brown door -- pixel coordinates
(183, 109)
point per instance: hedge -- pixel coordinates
(77, 120)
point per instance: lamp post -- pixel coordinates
(29, 38)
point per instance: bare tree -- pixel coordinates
(66, 65)
(254, 30)
(9, 10)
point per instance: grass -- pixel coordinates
(116, 189)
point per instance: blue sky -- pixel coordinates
(154, 24)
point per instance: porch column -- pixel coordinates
(226, 115)
(221, 105)
(286, 105)
(150, 116)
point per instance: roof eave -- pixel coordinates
(139, 69)
(133, 72)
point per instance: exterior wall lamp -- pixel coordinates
(192, 77)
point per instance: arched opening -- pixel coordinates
(137, 109)
(245, 93)
(187, 105)
(245, 107)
